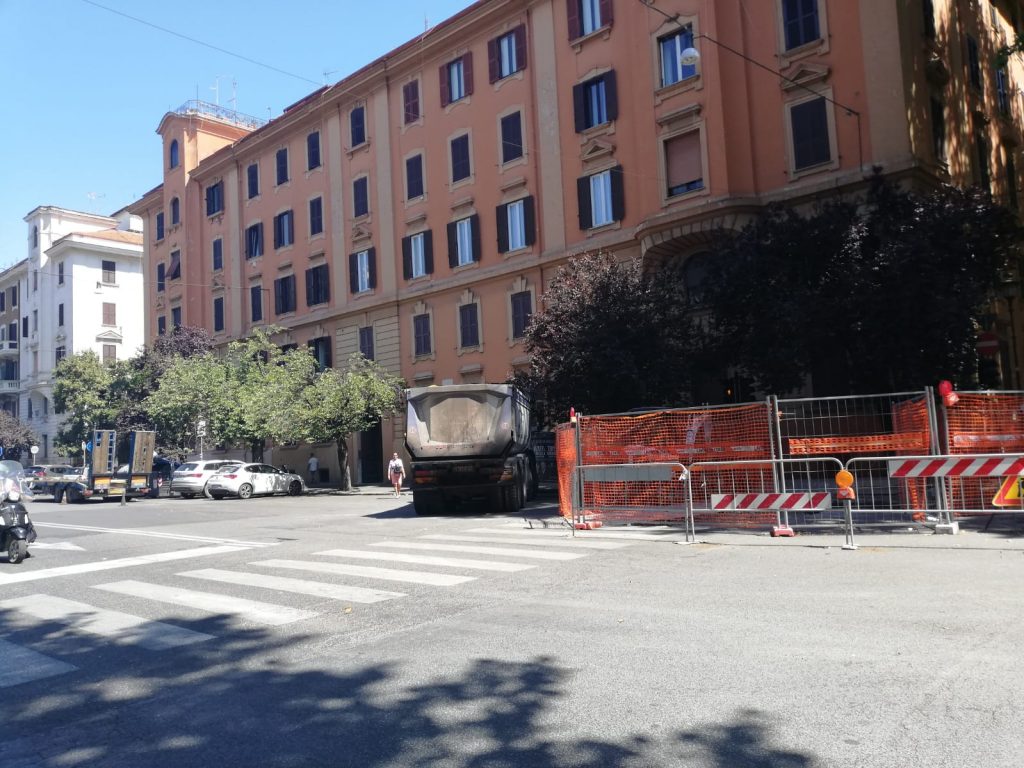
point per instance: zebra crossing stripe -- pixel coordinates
(452, 562)
(107, 565)
(120, 628)
(654, 533)
(23, 665)
(298, 586)
(252, 610)
(477, 550)
(369, 571)
(564, 540)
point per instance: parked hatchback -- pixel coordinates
(190, 479)
(248, 480)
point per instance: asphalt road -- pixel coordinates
(201, 633)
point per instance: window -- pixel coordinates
(109, 272)
(464, 241)
(417, 255)
(254, 240)
(928, 8)
(35, 281)
(469, 326)
(683, 164)
(421, 334)
(506, 55)
(411, 101)
(321, 350)
(109, 313)
(60, 353)
(214, 198)
(24, 327)
(973, 62)
(1011, 178)
(60, 314)
(357, 126)
(174, 270)
(1003, 90)
(109, 354)
(800, 22)
(60, 278)
(601, 198)
(595, 101)
(456, 79)
(511, 137)
(981, 143)
(516, 226)
(671, 49)
(284, 229)
(460, 158)
(161, 277)
(284, 295)
(175, 211)
(362, 271)
(161, 326)
(522, 311)
(35, 320)
(938, 129)
(252, 177)
(14, 296)
(318, 285)
(160, 226)
(586, 16)
(218, 314)
(35, 236)
(218, 255)
(360, 197)
(256, 302)
(3, 308)
(810, 134)
(414, 177)
(313, 151)
(172, 154)
(282, 165)
(366, 342)
(175, 317)
(316, 216)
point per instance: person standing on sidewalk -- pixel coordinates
(396, 472)
(312, 465)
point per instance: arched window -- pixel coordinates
(173, 154)
(35, 237)
(695, 272)
(175, 211)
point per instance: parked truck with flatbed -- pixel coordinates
(469, 442)
(102, 478)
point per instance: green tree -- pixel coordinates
(189, 389)
(81, 390)
(337, 404)
(16, 438)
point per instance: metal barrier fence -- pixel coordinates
(653, 492)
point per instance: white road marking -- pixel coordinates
(468, 549)
(57, 545)
(299, 586)
(401, 557)
(157, 534)
(564, 540)
(658, 533)
(253, 610)
(369, 571)
(23, 665)
(108, 565)
(121, 628)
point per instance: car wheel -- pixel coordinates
(188, 495)
(16, 551)
(217, 496)
(244, 491)
(295, 488)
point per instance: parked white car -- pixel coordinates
(190, 479)
(248, 480)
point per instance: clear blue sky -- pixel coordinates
(85, 88)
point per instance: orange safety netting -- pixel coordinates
(983, 422)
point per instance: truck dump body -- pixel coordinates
(466, 421)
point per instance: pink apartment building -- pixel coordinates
(415, 210)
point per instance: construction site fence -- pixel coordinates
(793, 446)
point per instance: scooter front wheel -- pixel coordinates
(17, 550)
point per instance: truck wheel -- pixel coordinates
(58, 496)
(425, 504)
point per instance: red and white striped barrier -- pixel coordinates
(769, 501)
(957, 466)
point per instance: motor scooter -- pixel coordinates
(16, 529)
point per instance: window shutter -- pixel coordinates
(411, 92)
(326, 346)
(493, 60)
(278, 297)
(309, 288)
(467, 72)
(583, 199)
(529, 221)
(453, 244)
(606, 13)
(573, 11)
(353, 273)
(325, 284)
(407, 258)
(520, 38)
(611, 95)
(683, 160)
(428, 252)
(371, 257)
(501, 214)
(618, 193)
(474, 226)
(579, 108)
(443, 76)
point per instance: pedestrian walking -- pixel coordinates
(396, 472)
(312, 465)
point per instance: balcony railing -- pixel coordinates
(8, 346)
(196, 107)
(10, 385)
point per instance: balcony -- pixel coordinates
(9, 386)
(8, 349)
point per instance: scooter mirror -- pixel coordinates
(13, 496)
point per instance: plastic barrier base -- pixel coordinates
(782, 530)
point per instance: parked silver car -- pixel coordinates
(250, 479)
(191, 479)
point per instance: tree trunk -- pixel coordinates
(257, 447)
(346, 476)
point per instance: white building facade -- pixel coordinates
(79, 289)
(11, 279)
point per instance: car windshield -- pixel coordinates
(227, 468)
(186, 467)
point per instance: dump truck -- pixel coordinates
(102, 478)
(469, 442)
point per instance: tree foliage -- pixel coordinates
(81, 390)
(16, 438)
